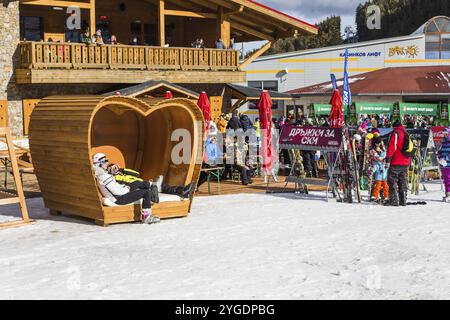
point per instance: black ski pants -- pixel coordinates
(134, 196)
(397, 180)
(139, 190)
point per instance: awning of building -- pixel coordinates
(325, 109)
(245, 94)
(374, 108)
(423, 109)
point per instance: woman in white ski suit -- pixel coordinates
(121, 194)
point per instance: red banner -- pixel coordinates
(312, 138)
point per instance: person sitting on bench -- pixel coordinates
(212, 158)
(132, 179)
(122, 194)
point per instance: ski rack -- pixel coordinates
(427, 148)
(333, 159)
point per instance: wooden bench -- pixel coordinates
(216, 172)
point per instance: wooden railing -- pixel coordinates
(44, 55)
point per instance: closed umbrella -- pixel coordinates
(336, 115)
(168, 95)
(265, 123)
(203, 104)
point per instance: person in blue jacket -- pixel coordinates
(212, 158)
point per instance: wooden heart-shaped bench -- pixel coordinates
(65, 132)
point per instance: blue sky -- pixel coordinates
(313, 11)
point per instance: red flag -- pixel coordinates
(265, 120)
(336, 115)
(203, 104)
(168, 95)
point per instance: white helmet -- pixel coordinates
(98, 157)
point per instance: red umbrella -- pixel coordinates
(203, 104)
(168, 95)
(336, 115)
(265, 121)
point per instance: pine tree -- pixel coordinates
(329, 35)
(399, 17)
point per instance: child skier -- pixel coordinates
(444, 160)
(377, 170)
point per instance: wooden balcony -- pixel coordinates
(42, 62)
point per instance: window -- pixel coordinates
(31, 28)
(146, 33)
(263, 85)
(150, 32)
(437, 38)
(136, 30)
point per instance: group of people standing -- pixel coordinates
(387, 166)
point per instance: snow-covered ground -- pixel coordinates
(252, 246)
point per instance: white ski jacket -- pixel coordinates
(108, 186)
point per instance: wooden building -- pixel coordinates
(40, 42)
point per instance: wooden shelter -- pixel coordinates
(65, 132)
(243, 95)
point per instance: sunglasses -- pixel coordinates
(103, 161)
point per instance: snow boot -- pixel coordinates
(393, 200)
(148, 218)
(402, 198)
(187, 191)
(446, 197)
(154, 194)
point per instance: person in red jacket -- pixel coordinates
(398, 166)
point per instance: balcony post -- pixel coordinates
(223, 27)
(32, 55)
(162, 23)
(92, 19)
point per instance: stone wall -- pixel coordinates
(9, 39)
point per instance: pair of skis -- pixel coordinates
(350, 168)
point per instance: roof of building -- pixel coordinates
(155, 89)
(282, 13)
(249, 93)
(428, 80)
(251, 20)
(435, 24)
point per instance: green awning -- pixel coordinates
(374, 108)
(422, 109)
(325, 109)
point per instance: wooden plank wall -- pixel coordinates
(3, 113)
(216, 107)
(28, 106)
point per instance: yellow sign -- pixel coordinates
(410, 51)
